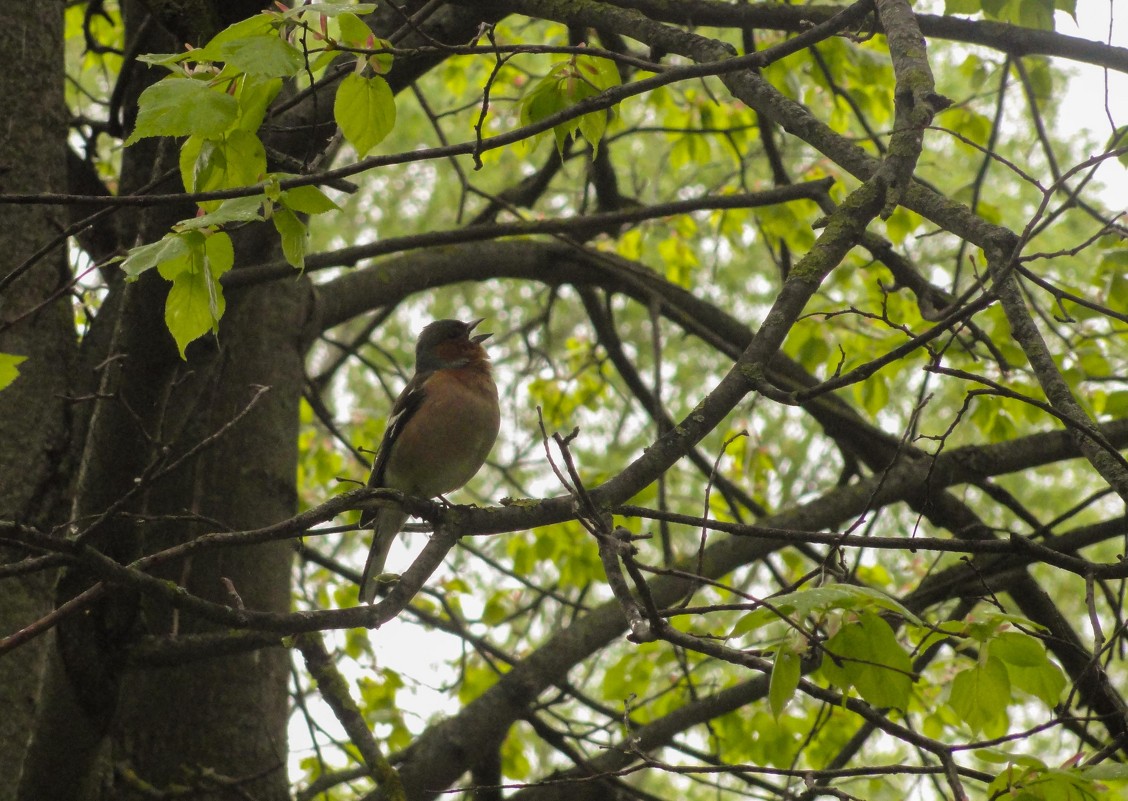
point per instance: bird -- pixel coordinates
(439, 433)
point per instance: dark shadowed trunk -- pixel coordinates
(166, 454)
(34, 413)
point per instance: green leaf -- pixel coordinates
(1027, 13)
(182, 107)
(255, 96)
(866, 655)
(354, 33)
(9, 368)
(515, 762)
(331, 9)
(820, 599)
(1028, 665)
(308, 200)
(476, 679)
(754, 620)
(195, 300)
(1001, 757)
(962, 7)
(601, 73)
(784, 680)
(238, 209)
(1046, 682)
(980, 694)
(1016, 648)
(145, 257)
(1068, 6)
(195, 158)
(598, 74)
(1106, 771)
(267, 56)
(293, 233)
(1119, 139)
(1116, 404)
(874, 393)
(593, 126)
(1041, 74)
(1036, 14)
(973, 126)
(1118, 290)
(497, 609)
(167, 59)
(995, 9)
(260, 25)
(566, 84)
(1052, 784)
(366, 111)
(238, 159)
(864, 596)
(381, 63)
(543, 101)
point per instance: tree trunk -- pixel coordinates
(167, 446)
(34, 414)
(226, 715)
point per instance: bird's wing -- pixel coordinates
(406, 405)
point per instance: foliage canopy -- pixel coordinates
(809, 325)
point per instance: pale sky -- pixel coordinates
(1085, 100)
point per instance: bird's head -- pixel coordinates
(448, 343)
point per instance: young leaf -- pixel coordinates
(595, 75)
(1068, 6)
(365, 110)
(784, 680)
(962, 7)
(9, 368)
(266, 55)
(259, 25)
(1106, 771)
(1118, 140)
(820, 599)
(238, 209)
(593, 126)
(293, 233)
(1028, 665)
(542, 101)
(601, 73)
(145, 257)
(237, 159)
(331, 9)
(166, 59)
(866, 655)
(182, 107)
(566, 84)
(255, 96)
(980, 694)
(754, 620)
(308, 200)
(354, 33)
(1016, 648)
(195, 301)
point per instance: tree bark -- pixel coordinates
(166, 445)
(34, 415)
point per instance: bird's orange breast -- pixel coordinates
(462, 420)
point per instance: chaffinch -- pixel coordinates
(441, 429)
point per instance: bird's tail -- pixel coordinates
(388, 521)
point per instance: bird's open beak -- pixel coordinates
(478, 338)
